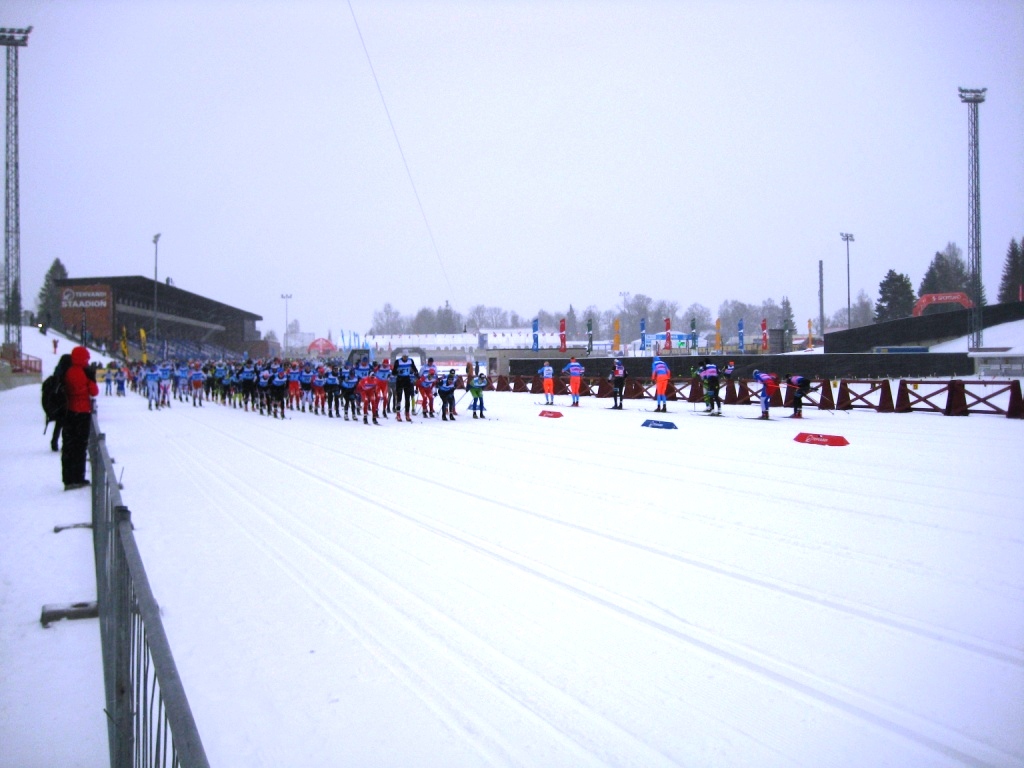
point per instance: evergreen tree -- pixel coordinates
(862, 311)
(895, 297)
(788, 321)
(1010, 286)
(48, 301)
(447, 320)
(572, 324)
(425, 321)
(947, 273)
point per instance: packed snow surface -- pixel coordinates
(572, 591)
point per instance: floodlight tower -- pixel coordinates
(284, 336)
(847, 238)
(12, 39)
(972, 97)
(156, 255)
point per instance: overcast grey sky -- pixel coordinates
(563, 152)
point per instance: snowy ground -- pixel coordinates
(1006, 335)
(544, 592)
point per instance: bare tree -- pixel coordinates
(388, 321)
(701, 314)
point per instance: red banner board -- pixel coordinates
(552, 414)
(812, 439)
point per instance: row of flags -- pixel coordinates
(617, 338)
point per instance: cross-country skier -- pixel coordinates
(709, 377)
(476, 389)
(575, 371)
(247, 380)
(406, 374)
(367, 387)
(446, 390)
(279, 391)
(319, 393)
(332, 390)
(769, 385)
(660, 375)
(152, 378)
(425, 385)
(802, 388)
(263, 390)
(294, 388)
(618, 377)
(306, 387)
(384, 387)
(350, 393)
(166, 371)
(547, 374)
(197, 380)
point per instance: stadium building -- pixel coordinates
(106, 309)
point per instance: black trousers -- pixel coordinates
(76, 443)
(403, 386)
(55, 440)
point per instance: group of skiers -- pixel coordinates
(661, 375)
(373, 390)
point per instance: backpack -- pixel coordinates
(55, 396)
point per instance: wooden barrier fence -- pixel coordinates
(955, 397)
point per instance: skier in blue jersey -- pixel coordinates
(152, 379)
(197, 381)
(547, 374)
(350, 394)
(406, 374)
(247, 381)
(476, 389)
(446, 391)
(575, 370)
(769, 386)
(660, 374)
(279, 391)
(332, 390)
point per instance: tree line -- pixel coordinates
(947, 273)
(389, 321)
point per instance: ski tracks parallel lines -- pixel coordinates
(862, 706)
(435, 695)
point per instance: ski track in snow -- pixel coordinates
(410, 631)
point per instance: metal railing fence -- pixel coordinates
(149, 722)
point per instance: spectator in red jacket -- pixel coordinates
(80, 385)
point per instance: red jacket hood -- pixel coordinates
(80, 356)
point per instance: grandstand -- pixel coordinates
(103, 309)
